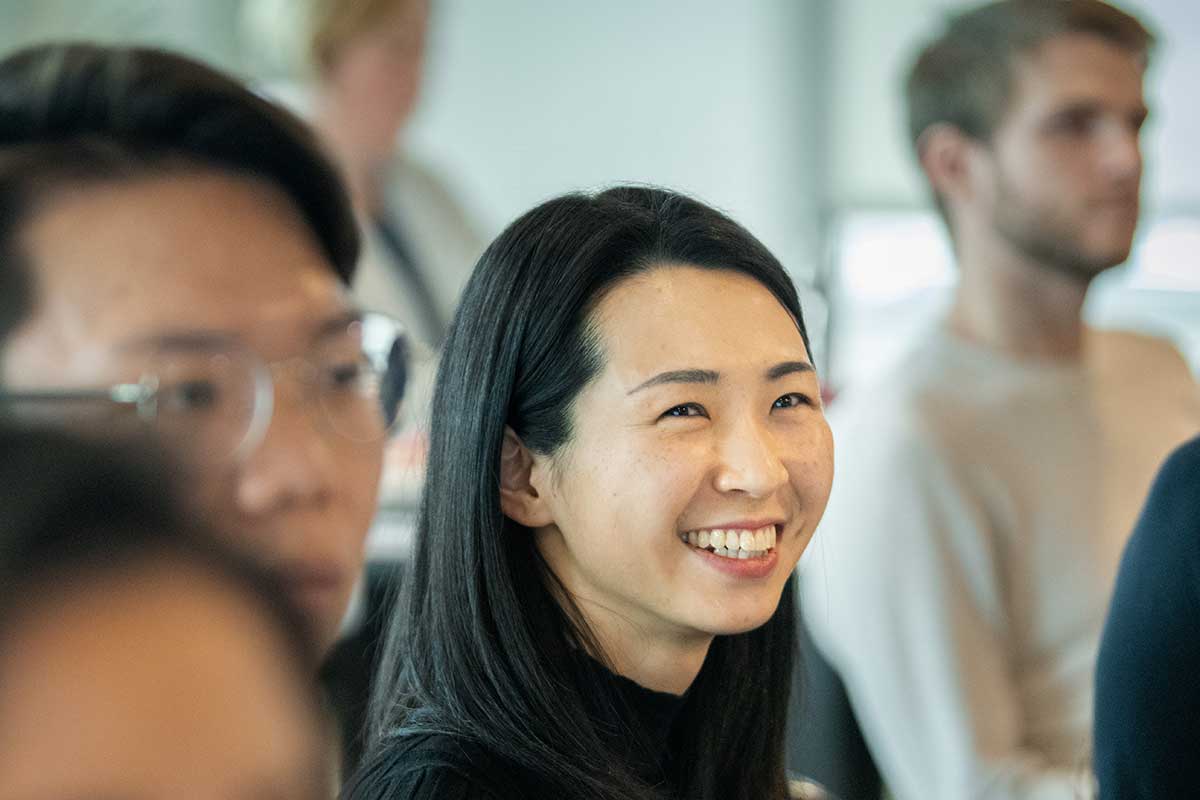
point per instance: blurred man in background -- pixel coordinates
(987, 484)
(189, 252)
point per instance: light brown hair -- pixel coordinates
(333, 23)
(964, 77)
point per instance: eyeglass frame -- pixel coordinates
(142, 394)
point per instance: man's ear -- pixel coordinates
(945, 152)
(519, 498)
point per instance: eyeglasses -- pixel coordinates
(214, 399)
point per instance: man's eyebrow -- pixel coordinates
(678, 376)
(202, 339)
(337, 324)
(788, 368)
(182, 340)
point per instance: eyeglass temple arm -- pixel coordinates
(123, 393)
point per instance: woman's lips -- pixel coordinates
(744, 568)
(744, 549)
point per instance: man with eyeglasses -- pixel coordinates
(187, 251)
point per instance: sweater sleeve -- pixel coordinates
(1147, 695)
(904, 595)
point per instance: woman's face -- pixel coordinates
(704, 427)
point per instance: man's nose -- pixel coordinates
(293, 465)
(1122, 151)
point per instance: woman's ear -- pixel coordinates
(519, 498)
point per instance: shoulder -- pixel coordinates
(1126, 350)
(426, 766)
(921, 399)
(1171, 516)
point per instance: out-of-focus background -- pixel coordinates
(785, 113)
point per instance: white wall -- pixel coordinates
(202, 27)
(530, 98)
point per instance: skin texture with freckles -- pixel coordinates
(642, 467)
(209, 253)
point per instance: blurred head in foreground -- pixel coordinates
(137, 657)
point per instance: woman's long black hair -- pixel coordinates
(480, 643)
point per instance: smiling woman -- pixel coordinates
(628, 456)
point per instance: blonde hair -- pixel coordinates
(333, 23)
(299, 37)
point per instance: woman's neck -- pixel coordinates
(652, 659)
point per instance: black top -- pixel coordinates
(1147, 738)
(425, 766)
(346, 674)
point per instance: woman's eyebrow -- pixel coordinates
(788, 368)
(709, 376)
(678, 376)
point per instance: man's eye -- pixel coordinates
(686, 410)
(344, 376)
(792, 400)
(1075, 123)
(188, 396)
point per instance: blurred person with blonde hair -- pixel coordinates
(364, 62)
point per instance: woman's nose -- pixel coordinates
(750, 461)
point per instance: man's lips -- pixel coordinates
(304, 580)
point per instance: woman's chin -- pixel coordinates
(733, 623)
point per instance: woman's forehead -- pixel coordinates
(691, 317)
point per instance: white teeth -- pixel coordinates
(737, 544)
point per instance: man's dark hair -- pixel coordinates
(76, 114)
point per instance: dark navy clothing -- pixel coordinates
(1147, 735)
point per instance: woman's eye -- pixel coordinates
(686, 410)
(792, 400)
